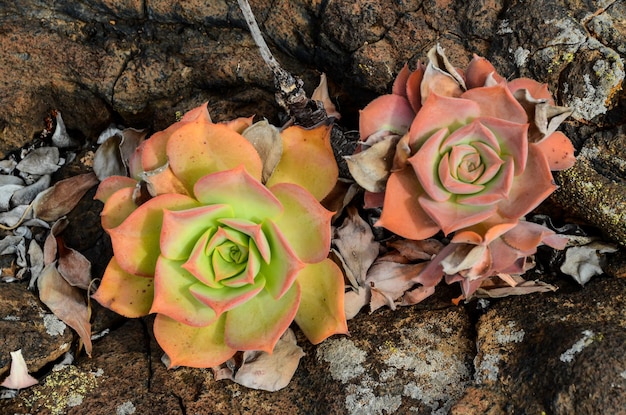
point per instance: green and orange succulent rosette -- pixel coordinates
(219, 232)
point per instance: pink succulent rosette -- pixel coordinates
(224, 250)
(476, 147)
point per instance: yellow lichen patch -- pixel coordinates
(61, 389)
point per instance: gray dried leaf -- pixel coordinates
(356, 246)
(545, 118)
(7, 166)
(107, 160)
(29, 193)
(268, 143)
(60, 199)
(109, 132)
(585, 261)
(61, 138)
(35, 257)
(40, 161)
(441, 76)
(15, 216)
(10, 179)
(66, 302)
(6, 193)
(18, 376)
(371, 167)
(8, 244)
(354, 301)
(265, 371)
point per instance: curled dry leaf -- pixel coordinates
(61, 198)
(66, 302)
(71, 264)
(18, 376)
(510, 285)
(40, 161)
(371, 168)
(268, 143)
(356, 247)
(265, 371)
(388, 281)
(35, 257)
(61, 138)
(113, 156)
(6, 193)
(321, 94)
(585, 261)
(26, 195)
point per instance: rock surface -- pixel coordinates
(139, 63)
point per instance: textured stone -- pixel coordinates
(556, 353)
(26, 324)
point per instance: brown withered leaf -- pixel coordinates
(61, 198)
(371, 168)
(321, 94)
(265, 371)
(66, 302)
(417, 250)
(113, 156)
(356, 246)
(388, 281)
(71, 264)
(497, 288)
(268, 143)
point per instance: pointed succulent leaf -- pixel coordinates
(321, 311)
(304, 223)
(119, 206)
(192, 346)
(173, 298)
(403, 214)
(478, 71)
(497, 102)
(111, 185)
(258, 323)
(307, 160)
(283, 269)
(391, 113)
(558, 151)
(248, 198)
(136, 241)
(198, 149)
(181, 229)
(127, 294)
(224, 299)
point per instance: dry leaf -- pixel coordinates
(18, 376)
(354, 301)
(61, 198)
(371, 168)
(321, 94)
(40, 161)
(35, 256)
(265, 371)
(498, 287)
(268, 143)
(71, 264)
(66, 302)
(26, 195)
(356, 246)
(112, 158)
(61, 138)
(6, 193)
(389, 281)
(422, 250)
(584, 262)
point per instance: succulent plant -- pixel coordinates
(219, 232)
